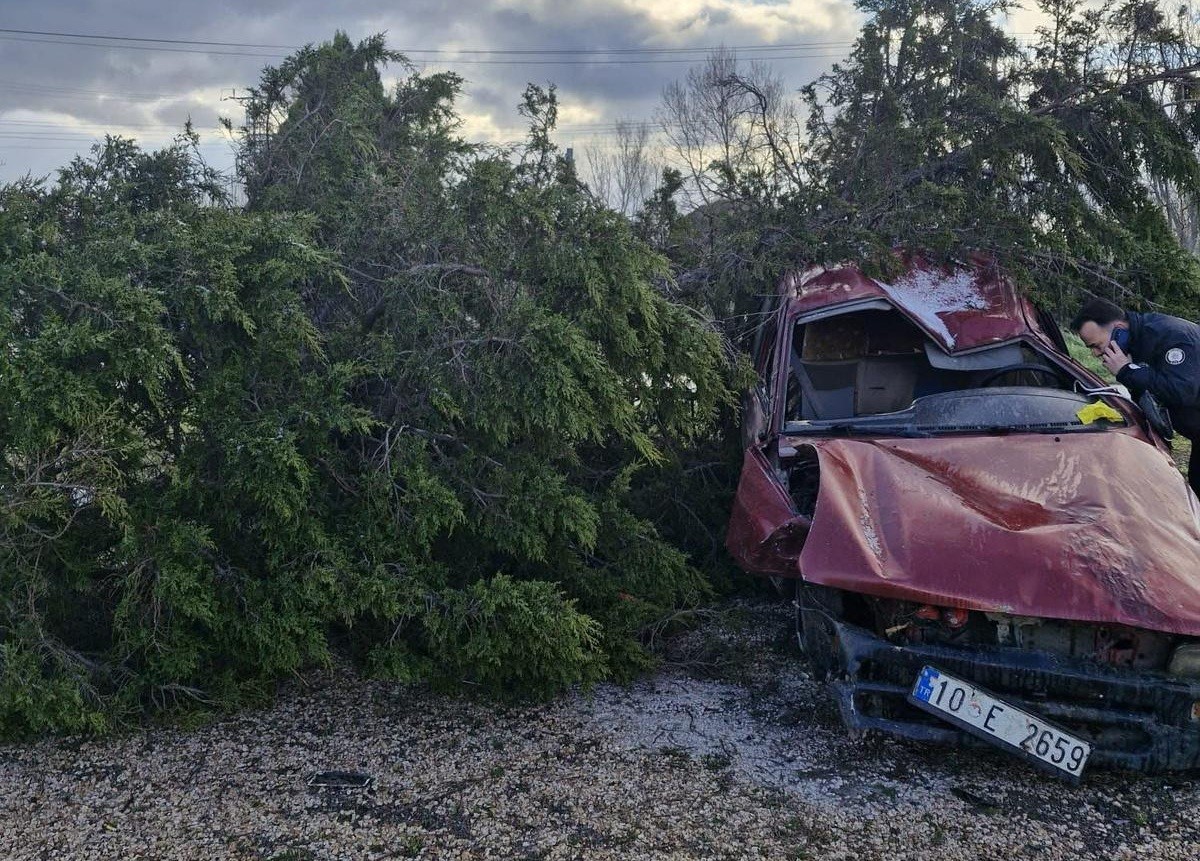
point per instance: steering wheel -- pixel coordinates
(1053, 373)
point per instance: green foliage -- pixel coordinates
(164, 401)
(518, 362)
(513, 637)
(406, 404)
(42, 691)
(940, 132)
(1080, 353)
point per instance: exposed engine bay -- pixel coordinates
(904, 622)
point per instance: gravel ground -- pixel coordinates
(750, 763)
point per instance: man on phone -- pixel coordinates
(1154, 353)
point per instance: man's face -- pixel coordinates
(1096, 336)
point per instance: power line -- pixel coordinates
(617, 62)
(20, 35)
(65, 136)
(140, 47)
(524, 51)
(99, 129)
(65, 130)
(442, 60)
(449, 56)
(36, 133)
(782, 46)
(142, 39)
(80, 142)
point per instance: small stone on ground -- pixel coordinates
(751, 763)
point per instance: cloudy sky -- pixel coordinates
(74, 69)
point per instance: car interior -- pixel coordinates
(875, 361)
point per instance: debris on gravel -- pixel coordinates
(735, 757)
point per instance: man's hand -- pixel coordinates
(1114, 358)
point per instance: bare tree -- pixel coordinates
(624, 175)
(1180, 204)
(733, 129)
(1182, 209)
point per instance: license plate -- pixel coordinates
(1000, 722)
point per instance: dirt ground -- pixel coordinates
(732, 753)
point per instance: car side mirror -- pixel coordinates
(754, 419)
(1157, 415)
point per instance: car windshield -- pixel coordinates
(873, 371)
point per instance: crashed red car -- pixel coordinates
(985, 542)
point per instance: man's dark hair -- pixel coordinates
(1099, 311)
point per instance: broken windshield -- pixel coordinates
(873, 371)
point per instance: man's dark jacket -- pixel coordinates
(1167, 352)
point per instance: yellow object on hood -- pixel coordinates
(1098, 410)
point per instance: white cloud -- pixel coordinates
(133, 89)
(770, 22)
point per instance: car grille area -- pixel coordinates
(1134, 719)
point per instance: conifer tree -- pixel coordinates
(518, 363)
(402, 407)
(943, 133)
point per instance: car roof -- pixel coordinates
(962, 307)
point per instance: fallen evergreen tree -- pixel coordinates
(1070, 155)
(400, 407)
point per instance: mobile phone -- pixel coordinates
(1120, 337)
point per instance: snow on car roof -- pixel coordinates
(960, 308)
(928, 294)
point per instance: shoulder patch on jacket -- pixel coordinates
(1174, 356)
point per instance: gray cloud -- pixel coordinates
(45, 115)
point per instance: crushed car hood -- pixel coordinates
(1091, 527)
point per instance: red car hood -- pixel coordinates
(1092, 527)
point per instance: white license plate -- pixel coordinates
(995, 720)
